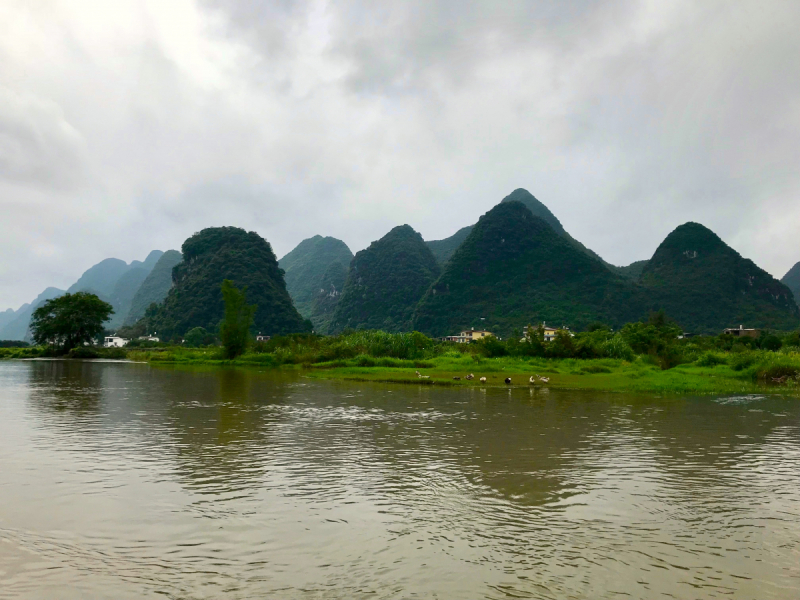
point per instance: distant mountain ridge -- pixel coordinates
(155, 286)
(305, 270)
(17, 328)
(792, 281)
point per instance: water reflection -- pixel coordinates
(239, 483)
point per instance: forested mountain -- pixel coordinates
(631, 271)
(327, 298)
(17, 328)
(792, 281)
(123, 293)
(209, 257)
(306, 266)
(385, 282)
(706, 286)
(443, 249)
(155, 286)
(514, 269)
(540, 210)
(101, 278)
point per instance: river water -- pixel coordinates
(127, 481)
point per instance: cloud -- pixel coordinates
(128, 126)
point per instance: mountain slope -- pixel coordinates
(123, 293)
(155, 286)
(705, 285)
(220, 253)
(327, 298)
(100, 278)
(306, 265)
(792, 281)
(7, 316)
(514, 270)
(385, 282)
(443, 249)
(17, 329)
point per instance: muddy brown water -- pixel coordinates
(127, 481)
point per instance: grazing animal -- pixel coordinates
(508, 380)
(421, 376)
(457, 378)
(544, 379)
(779, 379)
(483, 379)
(470, 376)
(532, 379)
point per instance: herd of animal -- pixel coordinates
(534, 379)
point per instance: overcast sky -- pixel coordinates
(125, 126)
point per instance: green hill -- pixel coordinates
(220, 253)
(327, 298)
(707, 286)
(123, 294)
(514, 269)
(632, 271)
(305, 267)
(385, 282)
(101, 278)
(792, 281)
(443, 249)
(155, 286)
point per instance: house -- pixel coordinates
(262, 338)
(470, 335)
(549, 332)
(742, 332)
(148, 338)
(113, 341)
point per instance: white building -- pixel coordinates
(549, 332)
(149, 338)
(113, 341)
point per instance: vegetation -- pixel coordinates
(155, 286)
(513, 268)
(209, 257)
(708, 286)
(235, 328)
(70, 320)
(18, 327)
(632, 271)
(13, 344)
(308, 264)
(326, 299)
(385, 283)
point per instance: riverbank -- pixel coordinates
(639, 375)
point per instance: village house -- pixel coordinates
(262, 338)
(742, 332)
(148, 338)
(470, 335)
(114, 341)
(549, 332)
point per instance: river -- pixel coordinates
(122, 480)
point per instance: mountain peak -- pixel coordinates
(537, 208)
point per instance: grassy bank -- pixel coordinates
(599, 361)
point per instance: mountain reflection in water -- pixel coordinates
(127, 481)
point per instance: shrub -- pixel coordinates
(617, 347)
(83, 352)
(743, 360)
(711, 359)
(595, 369)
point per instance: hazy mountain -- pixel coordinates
(218, 253)
(17, 328)
(705, 285)
(155, 286)
(792, 281)
(443, 249)
(306, 265)
(632, 271)
(385, 282)
(7, 316)
(327, 297)
(100, 278)
(513, 269)
(123, 293)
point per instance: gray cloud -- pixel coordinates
(132, 129)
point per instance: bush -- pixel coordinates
(617, 347)
(771, 342)
(115, 353)
(595, 369)
(83, 352)
(711, 359)
(743, 360)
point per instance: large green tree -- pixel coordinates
(235, 328)
(70, 320)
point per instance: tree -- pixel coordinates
(198, 337)
(70, 320)
(235, 328)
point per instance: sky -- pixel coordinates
(126, 126)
